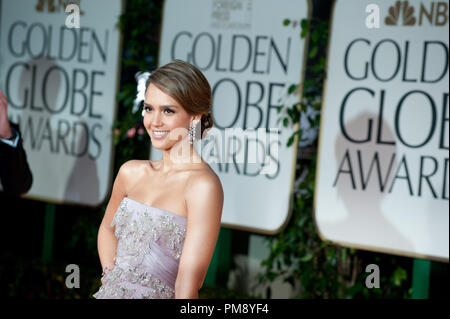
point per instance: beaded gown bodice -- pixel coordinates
(149, 245)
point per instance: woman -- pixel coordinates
(161, 224)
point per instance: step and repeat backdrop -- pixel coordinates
(382, 174)
(383, 164)
(59, 71)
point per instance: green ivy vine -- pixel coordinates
(140, 27)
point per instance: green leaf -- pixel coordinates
(331, 253)
(303, 33)
(279, 109)
(399, 275)
(286, 22)
(306, 258)
(304, 24)
(292, 88)
(271, 276)
(290, 140)
(313, 52)
(315, 36)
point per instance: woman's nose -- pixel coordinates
(156, 119)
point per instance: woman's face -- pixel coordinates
(166, 121)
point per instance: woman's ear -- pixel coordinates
(196, 118)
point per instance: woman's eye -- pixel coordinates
(169, 111)
(147, 108)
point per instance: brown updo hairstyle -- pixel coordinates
(188, 86)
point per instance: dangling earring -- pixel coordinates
(191, 133)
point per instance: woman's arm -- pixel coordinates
(106, 239)
(204, 200)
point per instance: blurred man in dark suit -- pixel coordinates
(15, 174)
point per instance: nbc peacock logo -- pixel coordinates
(404, 14)
(401, 9)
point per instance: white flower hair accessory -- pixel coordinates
(141, 79)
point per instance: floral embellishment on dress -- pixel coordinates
(144, 231)
(133, 227)
(117, 280)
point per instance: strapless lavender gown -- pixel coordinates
(150, 241)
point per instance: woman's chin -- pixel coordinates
(167, 144)
(160, 145)
(163, 144)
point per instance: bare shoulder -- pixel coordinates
(204, 184)
(129, 173)
(133, 167)
(204, 180)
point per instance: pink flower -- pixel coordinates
(116, 131)
(141, 131)
(131, 132)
